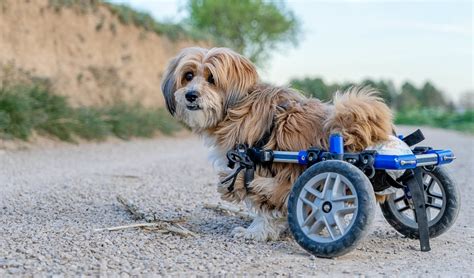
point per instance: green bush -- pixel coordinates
(18, 115)
(123, 120)
(128, 16)
(462, 121)
(90, 124)
(24, 109)
(55, 116)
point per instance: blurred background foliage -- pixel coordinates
(255, 28)
(425, 105)
(251, 27)
(27, 109)
(32, 107)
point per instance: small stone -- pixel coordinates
(14, 270)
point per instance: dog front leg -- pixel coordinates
(235, 194)
(268, 223)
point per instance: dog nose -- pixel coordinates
(191, 96)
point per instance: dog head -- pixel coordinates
(200, 84)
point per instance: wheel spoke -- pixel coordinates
(345, 198)
(329, 228)
(403, 209)
(346, 210)
(435, 206)
(308, 202)
(326, 188)
(401, 198)
(335, 187)
(427, 179)
(316, 227)
(339, 223)
(314, 192)
(310, 217)
(434, 195)
(430, 184)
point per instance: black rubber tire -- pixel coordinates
(453, 202)
(364, 216)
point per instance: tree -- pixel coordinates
(251, 27)
(466, 101)
(314, 87)
(412, 98)
(409, 97)
(432, 97)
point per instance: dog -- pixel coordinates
(217, 93)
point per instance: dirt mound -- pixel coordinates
(85, 54)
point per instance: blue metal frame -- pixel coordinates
(382, 162)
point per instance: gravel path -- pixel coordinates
(51, 200)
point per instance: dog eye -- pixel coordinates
(188, 76)
(210, 79)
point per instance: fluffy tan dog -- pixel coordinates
(217, 93)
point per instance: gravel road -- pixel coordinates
(52, 200)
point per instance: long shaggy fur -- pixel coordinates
(237, 109)
(361, 117)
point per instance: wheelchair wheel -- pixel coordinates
(331, 208)
(442, 203)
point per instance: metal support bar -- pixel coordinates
(418, 196)
(285, 157)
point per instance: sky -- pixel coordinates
(351, 40)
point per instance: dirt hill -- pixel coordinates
(86, 53)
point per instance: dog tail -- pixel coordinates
(361, 117)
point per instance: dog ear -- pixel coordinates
(234, 72)
(168, 84)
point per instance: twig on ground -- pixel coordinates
(229, 208)
(178, 229)
(139, 214)
(156, 227)
(152, 222)
(136, 225)
(134, 209)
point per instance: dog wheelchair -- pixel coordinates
(332, 204)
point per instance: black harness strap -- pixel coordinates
(239, 155)
(246, 160)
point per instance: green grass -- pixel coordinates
(82, 5)
(438, 118)
(128, 16)
(25, 109)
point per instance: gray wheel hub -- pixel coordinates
(327, 207)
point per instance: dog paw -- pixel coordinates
(238, 232)
(251, 234)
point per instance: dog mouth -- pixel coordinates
(193, 107)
